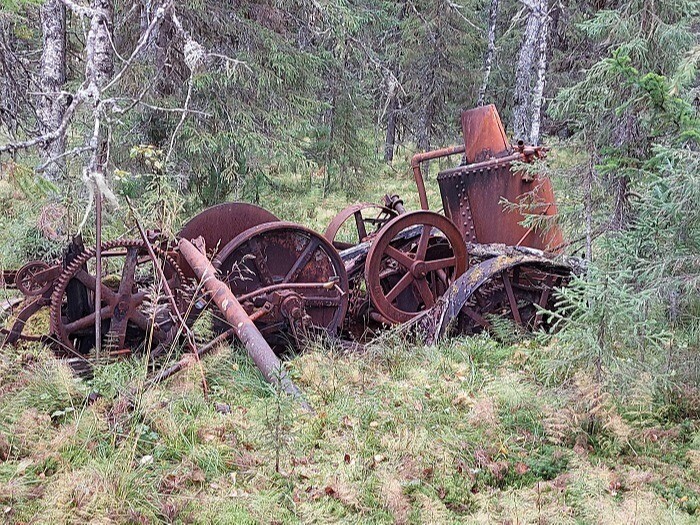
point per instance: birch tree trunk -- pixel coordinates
(523, 80)
(391, 128)
(543, 16)
(490, 52)
(99, 69)
(100, 65)
(52, 76)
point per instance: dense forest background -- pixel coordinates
(302, 106)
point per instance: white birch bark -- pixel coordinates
(100, 66)
(490, 52)
(523, 80)
(51, 105)
(543, 16)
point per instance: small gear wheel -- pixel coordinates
(26, 281)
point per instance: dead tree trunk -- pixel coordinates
(51, 105)
(526, 57)
(490, 52)
(543, 16)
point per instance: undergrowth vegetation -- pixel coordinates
(469, 431)
(303, 108)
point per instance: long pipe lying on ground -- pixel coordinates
(246, 331)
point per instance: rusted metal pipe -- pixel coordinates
(416, 161)
(523, 153)
(188, 358)
(246, 331)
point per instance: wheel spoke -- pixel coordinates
(442, 276)
(127, 283)
(360, 223)
(480, 320)
(144, 323)
(302, 261)
(439, 264)
(140, 320)
(511, 298)
(138, 298)
(423, 242)
(400, 257)
(260, 263)
(425, 293)
(120, 313)
(544, 298)
(117, 325)
(88, 280)
(87, 321)
(399, 287)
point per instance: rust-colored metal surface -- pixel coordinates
(281, 283)
(36, 278)
(487, 200)
(419, 158)
(406, 276)
(367, 218)
(16, 332)
(473, 195)
(246, 331)
(474, 198)
(131, 308)
(292, 268)
(511, 286)
(220, 224)
(484, 136)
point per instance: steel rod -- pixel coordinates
(184, 362)
(98, 272)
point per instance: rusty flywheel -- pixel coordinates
(287, 277)
(405, 274)
(357, 223)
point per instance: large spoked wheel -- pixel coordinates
(356, 223)
(412, 262)
(286, 276)
(135, 311)
(516, 295)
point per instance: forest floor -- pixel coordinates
(466, 432)
(471, 431)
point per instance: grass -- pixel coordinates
(461, 433)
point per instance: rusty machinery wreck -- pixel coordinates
(275, 283)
